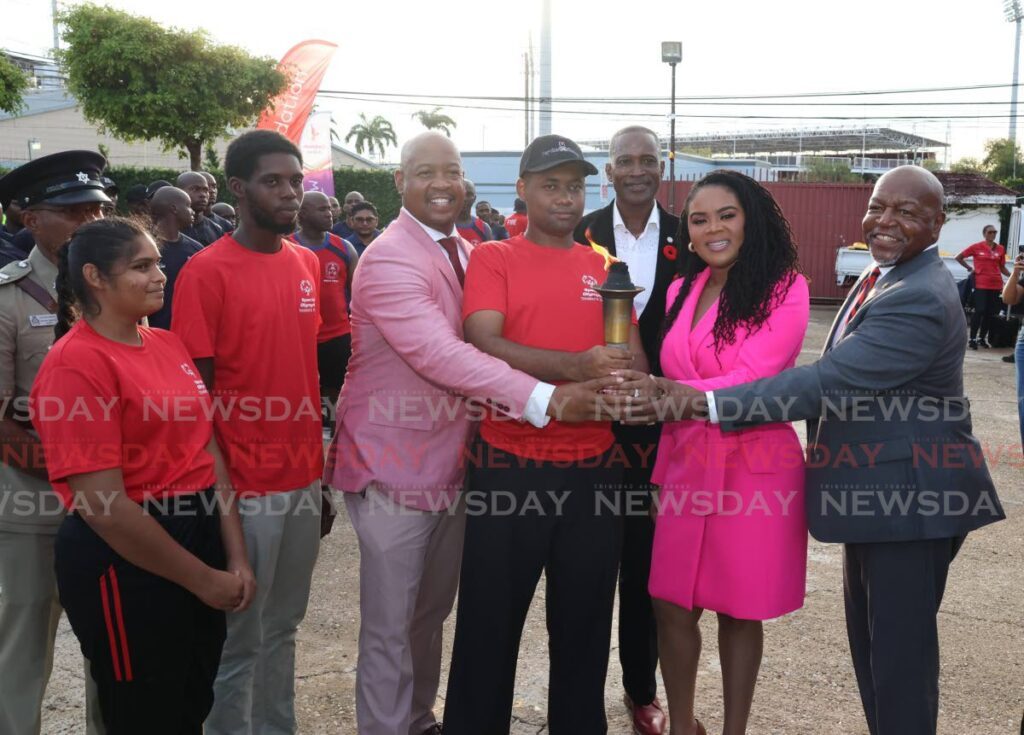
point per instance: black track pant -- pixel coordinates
(153, 646)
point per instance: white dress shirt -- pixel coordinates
(639, 253)
(537, 404)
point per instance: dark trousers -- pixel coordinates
(332, 359)
(516, 529)
(153, 646)
(986, 306)
(638, 630)
(893, 592)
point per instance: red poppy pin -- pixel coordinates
(669, 251)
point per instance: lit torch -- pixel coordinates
(617, 294)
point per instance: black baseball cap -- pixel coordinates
(109, 185)
(136, 193)
(60, 179)
(548, 151)
(156, 186)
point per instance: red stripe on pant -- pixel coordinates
(105, 598)
(120, 625)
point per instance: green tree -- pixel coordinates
(372, 136)
(966, 166)
(1002, 160)
(435, 120)
(141, 81)
(13, 84)
(829, 171)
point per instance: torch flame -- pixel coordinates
(602, 251)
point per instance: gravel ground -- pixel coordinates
(806, 685)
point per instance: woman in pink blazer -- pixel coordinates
(730, 535)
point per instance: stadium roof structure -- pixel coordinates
(798, 140)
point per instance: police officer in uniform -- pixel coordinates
(57, 194)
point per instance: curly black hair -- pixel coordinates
(766, 267)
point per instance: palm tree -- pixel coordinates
(435, 120)
(372, 136)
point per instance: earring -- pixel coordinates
(690, 246)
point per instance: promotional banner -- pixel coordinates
(316, 154)
(305, 66)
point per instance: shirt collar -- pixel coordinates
(654, 218)
(435, 235)
(40, 264)
(883, 269)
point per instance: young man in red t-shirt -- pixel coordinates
(530, 301)
(472, 228)
(338, 260)
(248, 310)
(516, 222)
(989, 260)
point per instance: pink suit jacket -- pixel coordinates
(402, 422)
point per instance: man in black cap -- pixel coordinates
(203, 229)
(531, 301)
(57, 194)
(138, 202)
(111, 189)
(171, 213)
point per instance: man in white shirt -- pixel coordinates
(636, 230)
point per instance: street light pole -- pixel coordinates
(1014, 13)
(672, 54)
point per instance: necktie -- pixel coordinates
(451, 246)
(865, 288)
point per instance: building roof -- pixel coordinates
(974, 189)
(39, 101)
(798, 140)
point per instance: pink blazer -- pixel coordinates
(402, 421)
(697, 452)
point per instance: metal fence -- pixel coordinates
(824, 218)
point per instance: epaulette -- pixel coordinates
(14, 272)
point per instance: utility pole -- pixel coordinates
(1013, 11)
(545, 68)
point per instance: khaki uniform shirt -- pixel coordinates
(27, 504)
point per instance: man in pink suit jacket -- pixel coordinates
(403, 425)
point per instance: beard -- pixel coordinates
(266, 221)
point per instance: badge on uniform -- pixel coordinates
(42, 320)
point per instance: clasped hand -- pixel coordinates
(648, 399)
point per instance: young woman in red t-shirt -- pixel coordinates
(153, 554)
(989, 260)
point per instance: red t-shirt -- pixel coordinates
(986, 262)
(257, 315)
(515, 224)
(99, 404)
(333, 277)
(548, 300)
(475, 232)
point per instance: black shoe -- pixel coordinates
(984, 344)
(1009, 358)
(973, 344)
(434, 729)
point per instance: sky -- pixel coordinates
(731, 48)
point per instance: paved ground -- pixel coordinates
(806, 685)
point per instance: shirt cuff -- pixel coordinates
(536, 411)
(712, 409)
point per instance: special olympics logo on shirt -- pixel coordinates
(306, 287)
(187, 369)
(589, 284)
(332, 271)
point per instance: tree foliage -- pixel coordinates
(141, 81)
(829, 171)
(372, 136)
(1002, 160)
(966, 165)
(13, 84)
(436, 120)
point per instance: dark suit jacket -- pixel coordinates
(600, 224)
(637, 439)
(893, 456)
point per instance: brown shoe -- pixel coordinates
(648, 719)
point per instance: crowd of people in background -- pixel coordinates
(182, 549)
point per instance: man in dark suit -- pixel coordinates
(636, 230)
(894, 472)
